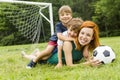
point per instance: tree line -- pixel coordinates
(106, 13)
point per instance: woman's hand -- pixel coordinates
(59, 65)
(93, 63)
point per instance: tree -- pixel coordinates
(107, 15)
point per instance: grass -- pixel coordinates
(12, 65)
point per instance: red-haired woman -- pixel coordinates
(88, 40)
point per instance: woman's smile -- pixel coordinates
(85, 36)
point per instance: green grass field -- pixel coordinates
(12, 65)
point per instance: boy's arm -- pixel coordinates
(64, 38)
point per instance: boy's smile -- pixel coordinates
(65, 17)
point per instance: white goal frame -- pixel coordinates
(49, 5)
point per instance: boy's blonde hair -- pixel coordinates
(65, 8)
(74, 24)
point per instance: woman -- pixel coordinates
(88, 39)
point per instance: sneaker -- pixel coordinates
(42, 61)
(31, 65)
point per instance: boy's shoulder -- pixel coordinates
(59, 23)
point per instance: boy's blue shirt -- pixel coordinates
(59, 28)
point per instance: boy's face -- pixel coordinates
(72, 33)
(65, 17)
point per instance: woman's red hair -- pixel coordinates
(95, 42)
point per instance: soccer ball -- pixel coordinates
(105, 54)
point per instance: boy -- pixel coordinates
(65, 15)
(73, 30)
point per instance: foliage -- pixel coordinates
(106, 13)
(110, 33)
(12, 65)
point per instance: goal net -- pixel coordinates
(27, 17)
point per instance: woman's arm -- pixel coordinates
(86, 53)
(59, 57)
(93, 63)
(68, 53)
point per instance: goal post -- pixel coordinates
(32, 20)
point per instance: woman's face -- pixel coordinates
(85, 36)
